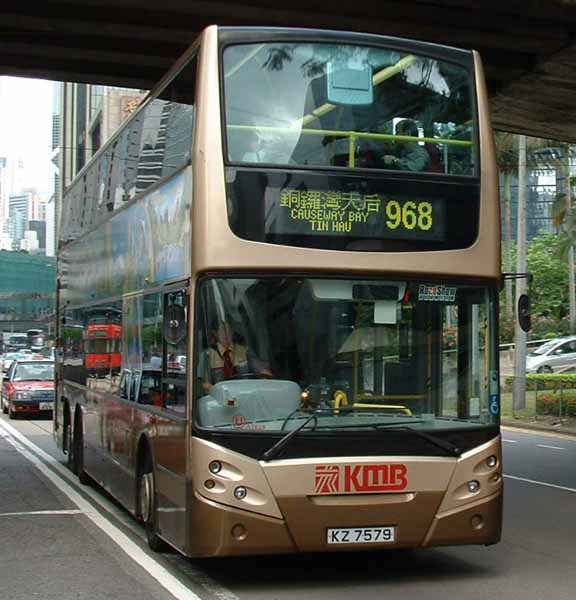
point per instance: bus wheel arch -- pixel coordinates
(146, 495)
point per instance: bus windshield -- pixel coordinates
(339, 105)
(357, 353)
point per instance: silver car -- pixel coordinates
(556, 356)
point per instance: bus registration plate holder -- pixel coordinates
(361, 535)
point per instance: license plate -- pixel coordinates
(361, 535)
(46, 405)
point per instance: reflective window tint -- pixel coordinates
(150, 383)
(72, 339)
(176, 350)
(156, 143)
(363, 353)
(338, 105)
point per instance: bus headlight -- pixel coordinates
(492, 461)
(473, 486)
(22, 396)
(215, 467)
(240, 492)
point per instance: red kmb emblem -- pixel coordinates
(359, 479)
(327, 479)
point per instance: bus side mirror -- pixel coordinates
(524, 313)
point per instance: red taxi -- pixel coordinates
(28, 388)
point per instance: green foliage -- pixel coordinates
(557, 404)
(551, 381)
(549, 289)
(545, 381)
(548, 328)
(506, 325)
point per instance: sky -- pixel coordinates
(26, 129)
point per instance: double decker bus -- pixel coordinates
(102, 341)
(299, 231)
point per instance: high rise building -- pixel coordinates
(18, 216)
(4, 191)
(30, 242)
(39, 229)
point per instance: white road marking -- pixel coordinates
(43, 512)
(550, 485)
(40, 459)
(550, 447)
(510, 441)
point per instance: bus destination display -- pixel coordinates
(292, 211)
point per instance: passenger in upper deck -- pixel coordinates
(408, 156)
(253, 153)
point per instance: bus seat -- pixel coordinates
(236, 402)
(436, 164)
(399, 379)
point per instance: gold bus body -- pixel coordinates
(282, 511)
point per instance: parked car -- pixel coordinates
(555, 356)
(28, 388)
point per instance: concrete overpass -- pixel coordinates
(528, 46)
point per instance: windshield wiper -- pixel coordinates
(283, 441)
(445, 445)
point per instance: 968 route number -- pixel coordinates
(361, 535)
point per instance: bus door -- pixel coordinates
(170, 440)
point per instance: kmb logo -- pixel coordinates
(335, 479)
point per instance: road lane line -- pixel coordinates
(550, 447)
(162, 575)
(39, 458)
(43, 512)
(542, 483)
(510, 441)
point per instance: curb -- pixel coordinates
(518, 424)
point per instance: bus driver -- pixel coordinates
(228, 358)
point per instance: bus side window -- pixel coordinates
(175, 350)
(125, 380)
(135, 387)
(150, 391)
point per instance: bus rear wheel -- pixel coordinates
(147, 507)
(76, 453)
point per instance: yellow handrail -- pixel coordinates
(377, 79)
(357, 134)
(397, 407)
(341, 399)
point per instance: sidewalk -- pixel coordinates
(529, 418)
(50, 550)
(556, 427)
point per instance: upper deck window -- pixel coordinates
(337, 105)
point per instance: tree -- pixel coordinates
(507, 156)
(519, 390)
(559, 158)
(507, 153)
(549, 289)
